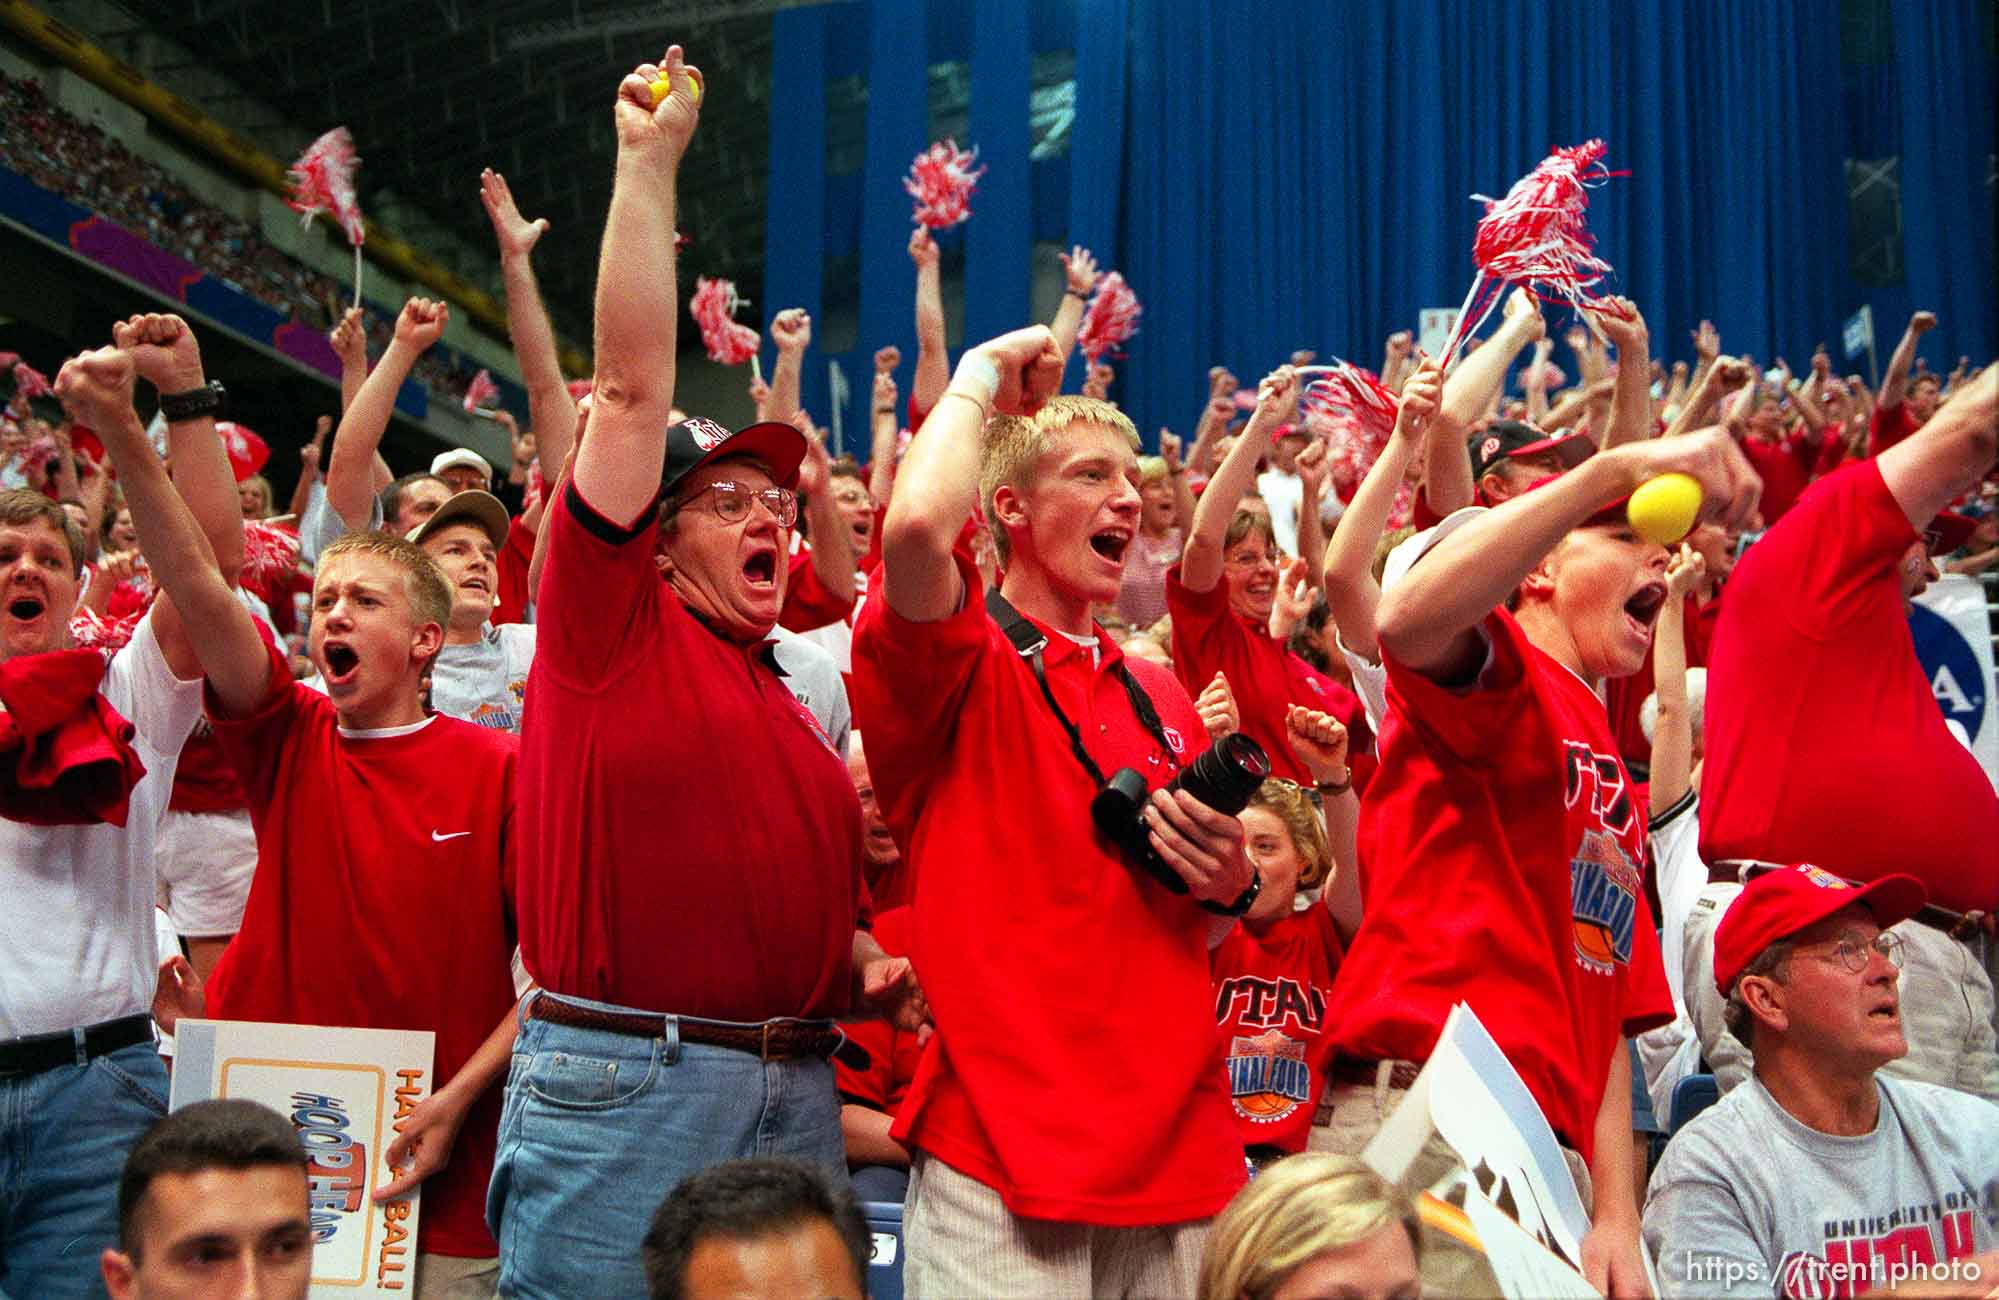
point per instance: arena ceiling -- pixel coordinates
(434, 90)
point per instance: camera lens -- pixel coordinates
(1227, 774)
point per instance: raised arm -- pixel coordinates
(933, 366)
(1429, 620)
(539, 559)
(885, 425)
(1201, 560)
(1312, 471)
(350, 343)
(1209, 428)
(1176, 476)
(166, 355)
(1895, 384)
(1320, 741)
(1479, 376)
(551, 409)
(202, 627)
(939, 481)
(618, 470)
(1928, 470)
(308, 466)
(349, 477)
(1673, 732)
(1351, 591)
(833, 558)
(1631, 397)
(1722, 376)
(1534, 381)
(1398, 360)
(791, 330)
(1079, 271)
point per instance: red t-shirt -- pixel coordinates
(1832, 450)
(1785, 466)
(691, 841)
(807, 602)
(361, 915)
(1075, 1068)
(892, 1053)
(1505, 868)
(1270, 1009)
(1888, 426)
(1824, 741)
(204, 779)
(1266, 678)
(511, 597)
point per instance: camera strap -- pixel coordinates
(1029, 642)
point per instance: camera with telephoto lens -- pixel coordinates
(1223, 777)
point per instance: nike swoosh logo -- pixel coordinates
(435, 838)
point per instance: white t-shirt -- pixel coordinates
(837, 639)
(1749, 1202)
(1370, 683)
(76, 927)
(1673, 1051)
(814, 679)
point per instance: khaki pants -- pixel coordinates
(453, 1277)
(962, 1241)
(1946, 995)
(1354, 1113)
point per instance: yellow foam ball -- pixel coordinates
(662, 88)
(1664, 509)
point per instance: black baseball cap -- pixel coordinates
(1504, 439)
(697, 441)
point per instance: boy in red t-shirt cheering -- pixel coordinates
(1504, 849)
(373, 821)
(1065, 1144)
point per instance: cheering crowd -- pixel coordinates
(1045, 837)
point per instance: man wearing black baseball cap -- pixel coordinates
(1509, 457)
(1821, 1176)
(690, 874)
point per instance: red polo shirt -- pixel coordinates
(1505, 868)
(1785, 466)
(1824, 741)
(690, 841)
(1888, 426)
(1075, 1068)
(1266, 678)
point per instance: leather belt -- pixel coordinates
(41, 1052)
(1958, 925)
(773, 1040)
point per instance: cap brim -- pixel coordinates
(468, 507)
(1574, 449)
(1892, 899)
(777, 443)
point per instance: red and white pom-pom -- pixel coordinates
(248, 452)
(941, 180)
(713, 305)
(323, 181)
(482, 391)
(1109, 320)
(1537, 237)
(1356, 412)
(30, 382)
(90, 630)
(270, 558)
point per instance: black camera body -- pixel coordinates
(1223, 777)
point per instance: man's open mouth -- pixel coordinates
(1644, 607)
(1111, 543)
(475, 584)
(1887, 1009)
(761, 569)
(342, 663)
(25, 608)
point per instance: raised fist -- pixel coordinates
(791, 330)
(421, 323)
(669, 124)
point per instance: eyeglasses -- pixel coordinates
(1251, 560)
(1854, 953)
(732, 502)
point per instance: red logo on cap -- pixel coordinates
(1823, 879)
(1491, 445)
(706, 433)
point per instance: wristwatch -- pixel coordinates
(1244, 901)
(210, 399)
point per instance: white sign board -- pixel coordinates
(1954, 645)
(344, 1090)
(1434, 328)
(1858, 334)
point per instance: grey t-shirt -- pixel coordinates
(814, 678)
(1747, 1201)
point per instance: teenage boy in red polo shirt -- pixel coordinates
(1504, 850)
(1904, 404)
(373, 820)
(691, 874)
(1036, 936)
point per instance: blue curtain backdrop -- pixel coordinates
(1272, 174)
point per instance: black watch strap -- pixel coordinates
(1244, 901)
(210, 399)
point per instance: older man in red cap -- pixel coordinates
(1821, 1176)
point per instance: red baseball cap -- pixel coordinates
(1948, 532)
(1778, 904)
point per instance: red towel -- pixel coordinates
(66, 757)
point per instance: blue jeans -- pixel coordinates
(64, 1135)
(598, 1127)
